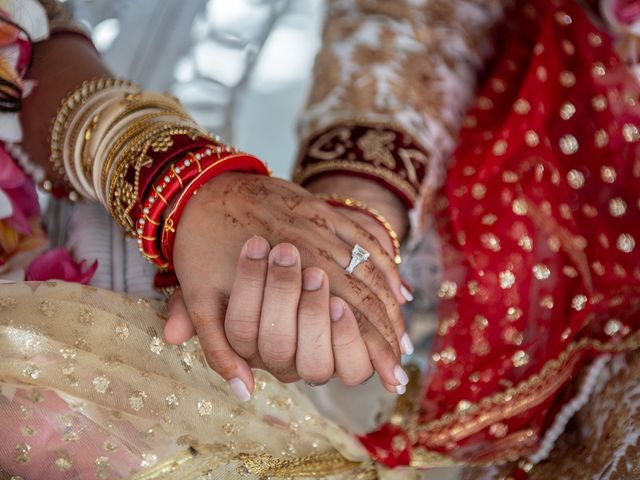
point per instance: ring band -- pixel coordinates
(358, 256)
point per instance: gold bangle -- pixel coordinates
(358, 205)
(66, 109)
(138, 127)
(122, 193)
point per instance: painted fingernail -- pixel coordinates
(312, 279)
(239, 389)
(406, 345)
(257, 248)
(401, 389)
(401, 375)
(406, 293)
(336, 309)
(284, 255)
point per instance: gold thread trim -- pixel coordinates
(304, 174)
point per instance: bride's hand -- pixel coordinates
(282, 319)
(234, 207)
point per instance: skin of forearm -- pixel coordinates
(368, 192)
(60, 65)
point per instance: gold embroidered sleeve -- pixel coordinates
(405, 68)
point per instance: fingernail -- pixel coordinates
(239, 389)
(406, 293)
(312, 279)
(401, 389)
(257, 248)
(401, 375)
(284, 255)
(406, 345)
(336, 309)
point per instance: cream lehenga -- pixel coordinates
(90, 390)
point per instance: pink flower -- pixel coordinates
(622, 15)
(57, 264)
(20, 191)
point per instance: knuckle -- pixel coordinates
(358, 377)
(241, 331)
(315, 370)
(284, 287)
(277, 351)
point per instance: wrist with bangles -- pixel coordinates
(138, 154)
(361, 207)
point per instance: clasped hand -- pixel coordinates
(291, 309)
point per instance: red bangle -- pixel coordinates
(163, 191)
(181, 145)
(237, 163)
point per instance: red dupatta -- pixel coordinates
(540, 222)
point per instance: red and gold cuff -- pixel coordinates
(387, 156)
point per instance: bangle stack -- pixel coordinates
(356, 205)
(138, 154)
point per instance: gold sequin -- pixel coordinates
(101, 384)
(463, 406)
(489, 219)
(578, 302)
(546, 302)
(607, 174)
(617, 207)
(157, 345)
(562, 18)
(497, 85)
(519, 206)
(568, 47)
(28, 431)
(598, 70)
(520, 358)
(448, 289)
(594, 39)
(598, 268)
(31, 371)
(47, 308)
(205, 408)
(507, 279)
(575, 178)
(599, 103)
(541, 73)
(521, 106)
(526, 243)
(172, 401)
(569, 271)
(568, 144)
(498, 430)
(513, 314)
(478, 190)
(490, 241)
(589, 210)
(625, 243)
(23, 453)
(601, 138)
(567, 110)
(136, 400)
(541, 271)
(630, 133)
(531, 138)
(484, 103)
(612, 327)
(63, 463)
(509, 177)
(567, 79)
(446, 356)
(148, 460)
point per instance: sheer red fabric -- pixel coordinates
(539, 221)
